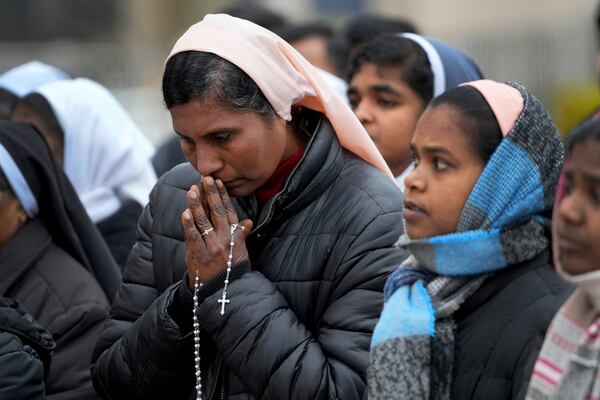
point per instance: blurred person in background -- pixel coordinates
(361, 29)
(102, 151)
(465, 315)
(258, 123)
(392, 79)
(568, 365)
(311, 40)
(25, 353)
(52, 258)
(21, 80)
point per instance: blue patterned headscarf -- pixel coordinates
(503, 223)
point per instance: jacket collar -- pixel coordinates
(21, 251)
(316, 171)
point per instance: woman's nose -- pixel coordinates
(569, 209)
(363, 113)
(208, 163)
(415, 180)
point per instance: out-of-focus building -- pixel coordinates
(547, 45)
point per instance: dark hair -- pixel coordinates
(392, 51)
(476, 118)
(360, 29)
(8, 100)
(303, 31)
(195, 75)
(363, 28)
(589, 130)
(259, 15)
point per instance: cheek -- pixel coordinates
(188, 152)
(594, 221)
(450, 198)
(8, 224)
(400, 122)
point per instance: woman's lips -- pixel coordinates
(568, 245)
(232, 183)
(412, 212)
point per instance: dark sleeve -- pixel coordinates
(276, 357)
(137, 292)
(526, 362)
(119, 230)
(21, 371)
(75, 333)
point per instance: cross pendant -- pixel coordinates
(223, 301)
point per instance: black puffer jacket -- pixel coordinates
(299, 323)
(25, 352)
(501, 328)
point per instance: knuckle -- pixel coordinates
(202, 220)
(220, 209)
(228, 205)
(195, 236)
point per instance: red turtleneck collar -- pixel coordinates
(275, 182)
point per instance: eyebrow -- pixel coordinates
(379, 88)
(432, 149)
(352, 90)
(383, 88)
(595, 178)
(216, 131)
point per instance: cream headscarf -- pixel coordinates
(282, 74)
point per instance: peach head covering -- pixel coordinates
(282, 74)
(505, 101)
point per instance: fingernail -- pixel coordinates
(187, 214)
(193, 194)
(210, 180)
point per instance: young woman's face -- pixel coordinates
(446, 169)
(388, 109)
(12, 217)
(241, 149)
(578, 217)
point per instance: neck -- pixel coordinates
(293, 145)
(589, 283)
(399, 167)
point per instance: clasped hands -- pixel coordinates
(206, 225)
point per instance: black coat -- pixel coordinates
(119, 230)
(63, 297)
(167, 156)
(25, 352)
(501, 328)
(300, 321)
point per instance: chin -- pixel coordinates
(574, 266)
(240, 191)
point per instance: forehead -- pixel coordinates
(370, 73)
(199, 117)
(585, 156)
(438, 126)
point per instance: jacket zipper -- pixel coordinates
(214, 385)
(285, 186)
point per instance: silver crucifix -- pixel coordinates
(223, 301)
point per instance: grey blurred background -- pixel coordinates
(549, 45)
